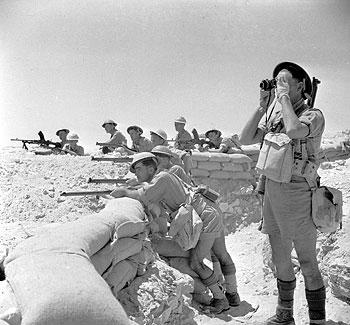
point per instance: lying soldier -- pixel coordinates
(167, 189)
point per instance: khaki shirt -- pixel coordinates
(184, 141)
(143, 145)
(180, 172)
(79, 150)
(163, 187)
(311, 117)
(117, 138)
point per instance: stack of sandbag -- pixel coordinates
(129, 252)
(56, 275)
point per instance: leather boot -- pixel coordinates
(284, 310)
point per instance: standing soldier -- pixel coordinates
(287, 204)
(183, 140)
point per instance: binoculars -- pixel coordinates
(268, 84)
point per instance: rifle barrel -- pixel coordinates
(83, 193)
(114, 159)
(107, 180)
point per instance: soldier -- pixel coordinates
(139, 143)
(180, 157)
(286, 210)
(62, 134)
(164, 156)
(219, 144)
(164, 188)
(72, 146)
(183, 140)
(117, 138)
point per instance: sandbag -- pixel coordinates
(9, 310)
(115, 252)
(121, 274)
(209, 165)
(85, 236)
(144, 258)
(129, 214)
(55, 288)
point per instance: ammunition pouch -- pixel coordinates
(207, 192)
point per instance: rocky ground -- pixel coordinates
(30, 198)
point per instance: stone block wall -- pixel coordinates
(232, 176)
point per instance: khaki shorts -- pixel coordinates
(287, 209)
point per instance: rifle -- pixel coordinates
(107, 180)
(311, 100)
(41, 142)
(83, 193)
(114, 159)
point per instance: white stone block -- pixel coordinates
(220, 174)
(200, 172)
(200, 156)
(241, 175)
(219, 156)
(209, 165)
(239, 158)
(232, 167)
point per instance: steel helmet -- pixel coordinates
(213, 130)
(142, 156)
(73, 137)
(162, 150)
(161, 133)
(181, 120)
(297, 72)
(65, 130)
(134, 127)
(109, 122)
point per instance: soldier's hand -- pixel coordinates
(118, 192)
(282, 88)
(266, 98)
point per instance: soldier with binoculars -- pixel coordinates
(287, 201)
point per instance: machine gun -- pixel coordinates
(41, 142)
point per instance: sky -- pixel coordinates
(73, 64)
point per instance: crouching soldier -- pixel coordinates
(167, 189)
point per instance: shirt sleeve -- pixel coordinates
(314, 119)
(118, 138)
(80, 151)
(154, 191)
